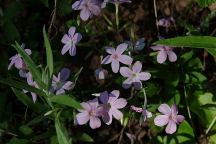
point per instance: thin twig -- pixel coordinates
(156, 17)
(9, 133)
(53, 18)
(211, 125)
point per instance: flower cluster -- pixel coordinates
(106, 106)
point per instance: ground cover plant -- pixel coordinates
(107, 71)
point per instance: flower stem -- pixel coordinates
(211, 125)
(117, 15)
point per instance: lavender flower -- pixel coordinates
(117, 56)
(138, 46)
(60, 83)
(17, 61)
(145, 113)
(88, 8)
(32, 83)
(164, 51)
(166, 22)
(134, 76)
(169, 117)
(111, 105)
(90, 112)
(100, 73)
(70, 40)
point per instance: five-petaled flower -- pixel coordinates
(70, 40)
(134, 76)
(60, 83)
(17, 61)
(88, 8)
(111, 105)
(169, 117)
(90, 112)
(117, 56)
(164, 51)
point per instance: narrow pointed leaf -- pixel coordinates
(22, 85)
(65, 100)
(62, 137)
(49, 53)
(206, 42)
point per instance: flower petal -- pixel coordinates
(121, 48)
(72, 50)
(85, 14)
(110, 50)
(161, 120)
(162, 56)
(137, 85)
(82, 118)
(172, 56)
(104, 97)
(116, 113)
(119, 103)
(127, 83)
(125, 59)
(65, 48)
(144, 76)
(77, 37)
(164, 109)
(113, 96)
(68, 85)
(157, 47)
(115, 66)
(65, 39)
(137, 67)
(171, 127)
(95, 122)
(77, 5)
(71, 31)
(64, 74)
(106, 60)
(180, 118)
(125, 72)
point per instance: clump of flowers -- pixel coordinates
(169, 117)
(164, 52)
(106, 106)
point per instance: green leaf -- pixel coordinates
(26, 130)
(65, 100)
(85, 138)
(26, 100)
(49, 53)
(15, 140)
(62, 137)
(205, 3)
(206, 42)
(21, 85)
(30, 64)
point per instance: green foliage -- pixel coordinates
(61, 133)
(65, 100)
(48, 52)
(206, 42)
(205, 3)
